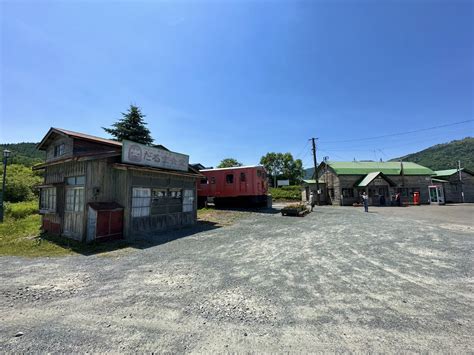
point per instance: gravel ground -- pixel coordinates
(336, 280)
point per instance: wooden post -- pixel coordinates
(316, 175)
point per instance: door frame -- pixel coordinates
(77, 216)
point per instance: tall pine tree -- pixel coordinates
(131, 127)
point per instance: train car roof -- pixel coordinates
(235, 167)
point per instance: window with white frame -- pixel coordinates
(48, 199)
(188, 200)
(141, 202)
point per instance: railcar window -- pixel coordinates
(213, 180)
(204, 181)
(259, 173)
(242, 177)
(229, 178)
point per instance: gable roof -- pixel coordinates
(371, 176)
(387, 168)
(64, 132)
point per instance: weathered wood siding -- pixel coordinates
(81, 147)
(56, 174)
(453, 188)
(68, 149)
(143, 227)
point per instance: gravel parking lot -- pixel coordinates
(339, 279)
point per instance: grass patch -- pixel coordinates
(22, 237)
(21, 209)
(286, 193)
(219, 217)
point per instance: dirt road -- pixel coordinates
(337, 280)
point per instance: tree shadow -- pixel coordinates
(144, 241)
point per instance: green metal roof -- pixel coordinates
(312, 181)
(449, 172)
(387, 168)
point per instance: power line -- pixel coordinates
(391, 143)
(302, 150)
(400, 133)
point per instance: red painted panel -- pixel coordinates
(46, 225)
(116, 222)
(103, 223)
(218, 186)
(55, 228)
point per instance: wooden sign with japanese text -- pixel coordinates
(140, 154)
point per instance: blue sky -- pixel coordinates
(241, 78)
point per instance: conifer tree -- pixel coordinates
(131, 127)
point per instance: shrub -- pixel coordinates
(21, 209)
(286, 193)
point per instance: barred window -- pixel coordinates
(229, 178)
(48, 199)
(141, 202)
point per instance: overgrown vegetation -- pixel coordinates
(286, 193)
(21, 209)
(21, 183)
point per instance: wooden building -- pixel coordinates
(455, 183)
(97, 188)
(342, 183)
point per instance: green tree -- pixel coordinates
(283, 165)
(21, 183)
(273, 164)
(131, 127)
(228, 163)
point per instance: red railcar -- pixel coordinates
(243, 185)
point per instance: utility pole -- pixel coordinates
(460, 181)
(316, 171)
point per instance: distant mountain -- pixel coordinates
(437, 157)
(445, 156)
(23, 153)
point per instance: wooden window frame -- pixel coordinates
(50, 194)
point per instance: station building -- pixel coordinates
(342, 183)
(97, 189)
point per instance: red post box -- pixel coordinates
(416, 198)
